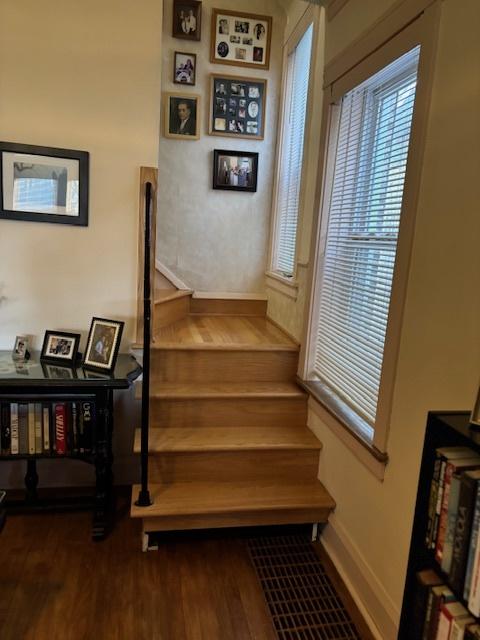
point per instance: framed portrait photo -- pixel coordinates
(187, 19)
(237, 106)
(182, 116)
(60, 348)
(103, 344)
(184, 68)
(235, 170)
(20, 348)
(241, 39)
(43, 184)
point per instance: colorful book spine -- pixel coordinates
(60, 428)
(74, 414)
(466, 501)
(471, 574)
(14, 442)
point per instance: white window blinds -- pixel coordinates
(363, 222)
(291, 153)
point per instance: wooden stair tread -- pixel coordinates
(191, 498)
(184, 390)
(199, 439)
(166, 295)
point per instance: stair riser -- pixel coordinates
(232, 412)
(222, 366)
(270, 466)
(211, 306)
(171, 311)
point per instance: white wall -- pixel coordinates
(438, 365)
(216, 240)
(79, 75)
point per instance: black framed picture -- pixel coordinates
(187, 19)
(184, 68)
(235, 170)
(237, 106)
(60, 348)
(43, 184)
(182, 116)
(103, 344)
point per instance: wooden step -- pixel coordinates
(224, 390)
(170, 307)
(193, 439)
(230, 307)
(193, 505)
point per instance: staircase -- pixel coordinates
(229, 445)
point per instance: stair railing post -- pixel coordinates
(143, 499)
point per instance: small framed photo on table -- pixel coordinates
(60, 348)
(182, 116)
(20, 349)
(184, 68)
(187, 19)
(103, 344)
(235, 170)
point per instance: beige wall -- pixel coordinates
(80, 75)
(216, 240)
(438, 365)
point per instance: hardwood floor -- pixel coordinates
(57, 584)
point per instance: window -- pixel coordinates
(291, 155)
(370, 135)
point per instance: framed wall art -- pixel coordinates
(182, 116)
(237, 106)
(184, 68)
(240, 39)
(43, 184)
(235, 170)
(187, 19)
(60, 347)
(102, 344)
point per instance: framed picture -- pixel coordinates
(182, 116)
(43, 184)
(237, 106)
(187, 19)
(184, 68)
(235, 170)
(103, 344)
(20, 348)
(56, 372)
(241, 39)
(60, 347)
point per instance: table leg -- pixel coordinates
(31, 481)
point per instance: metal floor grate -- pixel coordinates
(302, 600)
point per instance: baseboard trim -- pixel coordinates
(169, 275)
(377, 608)
(227, 295)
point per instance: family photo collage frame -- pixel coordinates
(237, 104)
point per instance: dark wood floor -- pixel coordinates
(56, 584)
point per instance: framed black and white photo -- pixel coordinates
(102, 344)
(60, 347)
(182, 116)
(184, 68)
(235, 170)
(187, 19)
(237, 106)
(20, 348)
(43, 184)
(240, 39)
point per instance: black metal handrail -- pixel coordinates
(143, 499)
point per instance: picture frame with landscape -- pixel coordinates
(237, 106)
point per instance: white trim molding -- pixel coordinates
(370, 596)
(169, 275)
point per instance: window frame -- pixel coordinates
(421, 29)
(308, 19)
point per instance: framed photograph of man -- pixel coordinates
(237, 106)
(182, 116)
(103, 344)
(20, 349)
(235, 170)
(60, 347)
(240, 39)
(187, 19)
(184, 68)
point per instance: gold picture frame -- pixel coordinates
(177, 104)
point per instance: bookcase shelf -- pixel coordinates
(444, 429)
(33, 382)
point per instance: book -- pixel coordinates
(451, 522)
(38, 427)
(449, 612)
(31, 428)
(425, 580)
(14, 443)
(472, 632)
(60, 423)
(74, 414)
(472, 573)
(458, 627)
(451, 467)
(23, 428)
(461, 541)
(5, 427)
(87, 417)
(46, 426)
(437, 596)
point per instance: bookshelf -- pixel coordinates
(32, 384)
(444, 429)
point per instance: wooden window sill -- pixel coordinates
(287, 286)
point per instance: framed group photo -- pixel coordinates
(187, 19)
(182, 116)
(184, 68)
(103, 344)
(237, 106)
(235, 170)
(60, 348)
(241, 39)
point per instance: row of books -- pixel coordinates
(33, 428)
(438, 613)
(453, 529)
